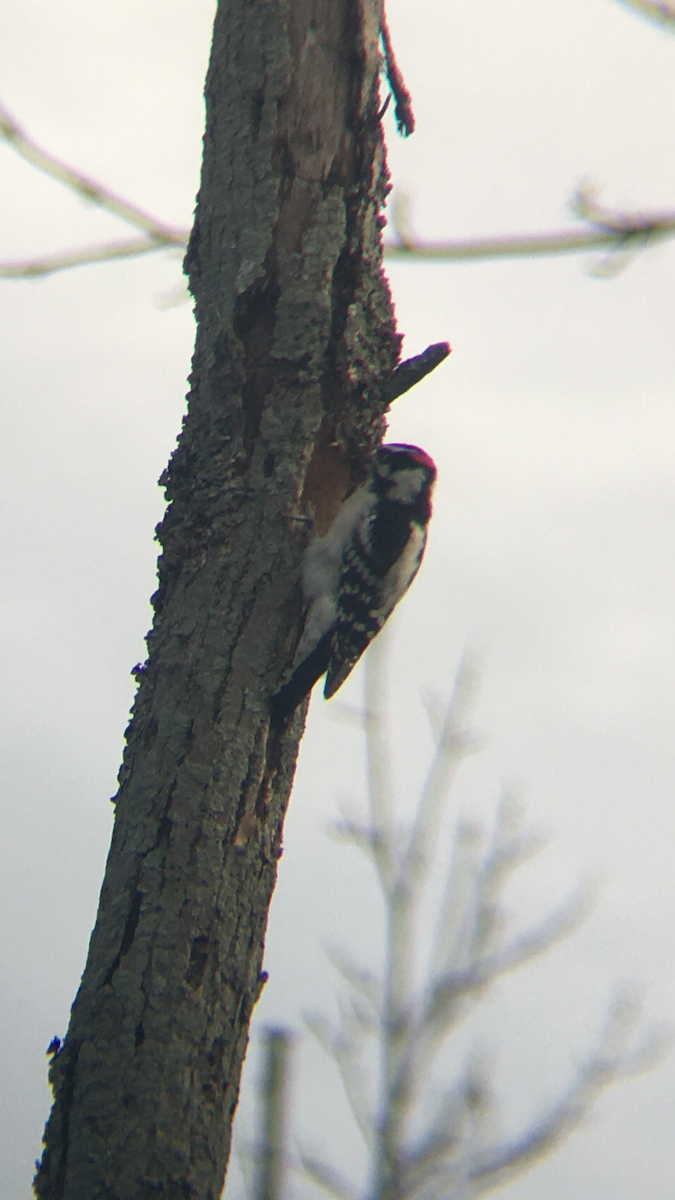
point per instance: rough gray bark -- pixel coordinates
(295, 337)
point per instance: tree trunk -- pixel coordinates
(295, 337)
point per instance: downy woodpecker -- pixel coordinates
(355, 576)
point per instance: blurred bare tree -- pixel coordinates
(430, 1128)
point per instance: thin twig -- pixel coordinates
(658, 11)
(405, 118)
(611, 231)
(35, 268)
(379, 775)
(90, 189)
(157, 235)
(530, 245)
(327, 1178)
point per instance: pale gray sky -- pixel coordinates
(551, 553)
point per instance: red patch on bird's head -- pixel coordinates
(417, 456)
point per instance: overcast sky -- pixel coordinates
(550, 556)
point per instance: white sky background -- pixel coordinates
(551, 552)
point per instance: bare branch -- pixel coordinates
(445, 1133)
(454, 1157)
(380, 784)
(34, 268)
(622, 235)
(349, 1056)
(634, 233)
(659, 11)
(531, 245)
(327, 1178)
(362, 981)
(271, 1152)
(454, 743)
(474, 889)
(445, 993)
(377, 844)
(86, 187)
(157, 235)
(608, 1062)
(345, 1046)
